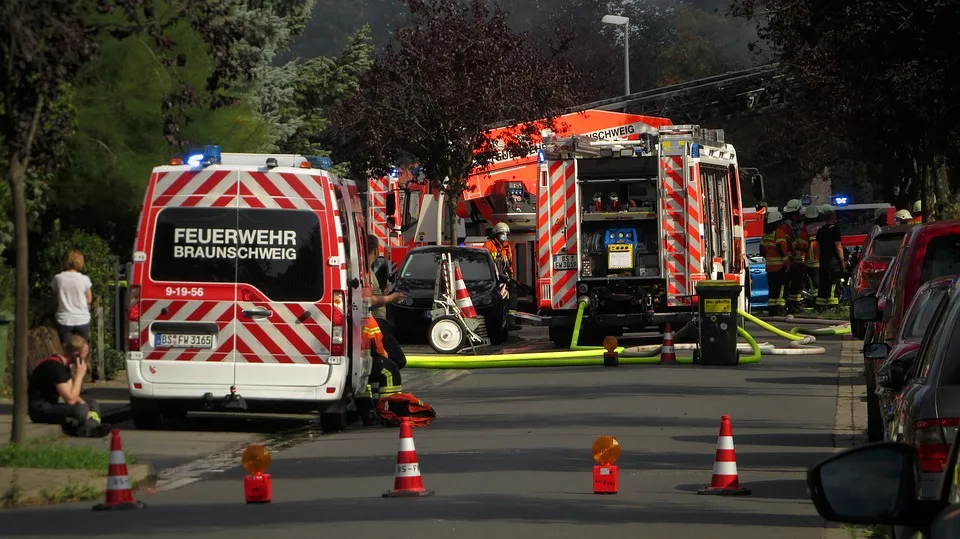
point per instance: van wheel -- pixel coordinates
(333, 422)
(147, 419)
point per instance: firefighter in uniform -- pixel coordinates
(808, 243)
(917, 213)
(502, 254)
(833, 263)
(792, 217)
(777, 251)
(384, 377)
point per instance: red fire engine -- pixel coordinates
(628, 228)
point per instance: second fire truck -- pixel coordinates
(629, 227)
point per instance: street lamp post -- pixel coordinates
(625, 22)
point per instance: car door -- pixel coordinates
(283, 337)
(187, 310)
(350, 221)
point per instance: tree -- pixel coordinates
(43, 43)
(877, 71)
(455, 68)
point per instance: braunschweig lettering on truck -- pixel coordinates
(234, 243)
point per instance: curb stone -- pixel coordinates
(850, 419)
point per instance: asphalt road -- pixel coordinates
(509, 455)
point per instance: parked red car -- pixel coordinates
(928, 251)
(877, 253)
(856, 220)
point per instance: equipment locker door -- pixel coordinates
(283, 336)
(187, 315)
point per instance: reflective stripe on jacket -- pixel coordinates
(771, 253)
(502, 255)
(374, 337)
(808, 242)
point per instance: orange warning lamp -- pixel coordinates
(606, 474)
(610, 358)
(257, 487)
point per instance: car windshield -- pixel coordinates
(423, 266)
(941, 259)
(886, 244)
(753, 249)
(855, 221)
(921, 312)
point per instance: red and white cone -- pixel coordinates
(667, 353)
(407, 483)
(462, 295)
(725, 480)
(119, 491)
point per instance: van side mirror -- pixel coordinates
(874, 484)
(756, 184)
(392, 223)
(391, 203)
(865, 309)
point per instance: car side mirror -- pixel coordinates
(876, 351)
(874, 484)
(865, 309)
(756, 184)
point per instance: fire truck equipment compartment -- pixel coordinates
(718, 322)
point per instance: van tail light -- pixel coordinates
(872, 268)
(339, 330)
(133, 319)
(931, 445)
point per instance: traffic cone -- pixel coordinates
(407, 483)
(667, 355)
(119, 492)
(725, 480)
(462, 295)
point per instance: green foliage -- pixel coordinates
(100, 264)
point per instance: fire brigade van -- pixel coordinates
(627, 228)
(249, 289)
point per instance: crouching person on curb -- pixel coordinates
(384, 378)
(52, 380)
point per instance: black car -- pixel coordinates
(417, 277)
(878, 485)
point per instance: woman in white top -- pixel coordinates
(74, 296)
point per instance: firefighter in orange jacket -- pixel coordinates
(384, 376)
(502, 254)
(792, 218)
(777, 250)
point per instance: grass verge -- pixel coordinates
(55, 456)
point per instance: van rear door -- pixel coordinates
(188, 295)
(283, 295)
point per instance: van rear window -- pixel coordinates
(941, 259)
(887, 244)
(277, 251)
(855, 221)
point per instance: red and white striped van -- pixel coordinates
(248, 290)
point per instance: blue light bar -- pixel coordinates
(196, 157)
(841, 200)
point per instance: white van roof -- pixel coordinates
(260, 159)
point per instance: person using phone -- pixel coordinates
(54, 390)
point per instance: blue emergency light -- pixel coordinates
(210, 155)
(394, 173)
(841, 200)
(541, 158)
(323, 163)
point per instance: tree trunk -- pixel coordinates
(18, 173)
(452, 219)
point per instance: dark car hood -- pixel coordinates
(422, 289)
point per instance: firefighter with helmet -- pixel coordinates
(502, 253)
(917, 212)
(903, 217)
(384, 380)
(778, 252)
(808, 243)
(794, 285)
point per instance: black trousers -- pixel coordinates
(512, 290)
(391, 345)
(777, 282)
(62, 414)
(828, 286)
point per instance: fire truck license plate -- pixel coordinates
(564, 262)
(173, 340)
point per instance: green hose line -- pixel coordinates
(575, 338)
(771, 328)
(523, 356)
(834, 330)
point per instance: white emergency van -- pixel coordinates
(249, 288)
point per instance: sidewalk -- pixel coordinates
(112, 396)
